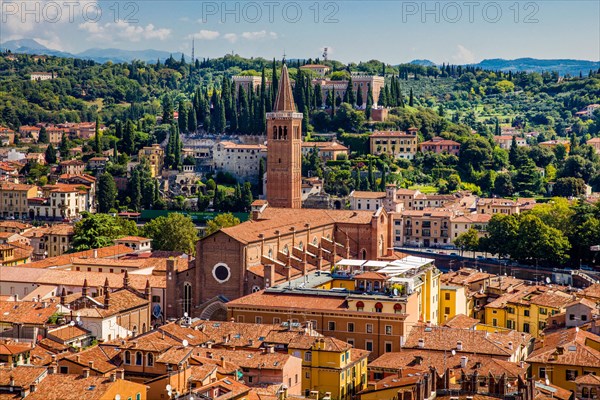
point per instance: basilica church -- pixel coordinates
(282, 241)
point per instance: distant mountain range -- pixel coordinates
(30, 46)
(562, 66)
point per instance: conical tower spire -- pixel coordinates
(285, 99)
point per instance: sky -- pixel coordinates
(393, 31)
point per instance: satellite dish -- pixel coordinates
(118, 397)
(547, 381)
(453, 352)
(548, 280)
(185, 314)
(169, 388)
(576, 329)
(72, 323)
(395, 291)
(185, 343)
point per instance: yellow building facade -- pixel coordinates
(330, 366)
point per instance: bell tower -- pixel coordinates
(284, 149)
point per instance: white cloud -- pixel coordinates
(259, 35)
(204, 35)
(463, 55)
(125, 31)
(231, 37)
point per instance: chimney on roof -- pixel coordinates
(463, 361)
(86, 373)
(459, 345)
(222, 363)
(171, 265)
(106, 285)
(95, 253)
(126, 280)
(510, 345)
(113, 376)
(269, 274)
(52, 369)
(11, 380)
(120, 374)
(147, 290)
(209, 354)
(107, 299)
(91, 364)
(33, 387)
(84, 289)
(270, 349)
(347, 246)
(421, 343)
(63, 297)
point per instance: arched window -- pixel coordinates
(315, 241)
(285, 250)
(285, 133)
(584, 393)
(301, 245)
(360, 305)
(378, 307)
(363, 254)
(397, 308)
(275, 132)
(150, 359)
(138, 358)
(127, 357)
(134, 330)
(144, 328)
(187, 297)
(280, 133)
(270, 253)
(308, 356)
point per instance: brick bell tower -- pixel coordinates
(284, 149)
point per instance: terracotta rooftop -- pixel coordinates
(368, 195)
(568, 347)
(120, 300)
(23, 375)
(75, 387)
(104, 358)
(8, 347)
(153, 341)
(327, 343)
(461, 321)
(25, 312)
(291, 301)
(68, 332)
(423, 359)
(246, 358)
(592, 292)
(60, 277)
(473, 341)
(8, 186)
(65, 259)
(391, 134)
(283, 219)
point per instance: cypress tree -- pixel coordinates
(369, 103)
(182, 119)
(97, 142)
(371, 176)
(359, 98)
(192, 122)
(411, 100)
(43, 138)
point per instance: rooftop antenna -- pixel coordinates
(283, 56)
(193, 51)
